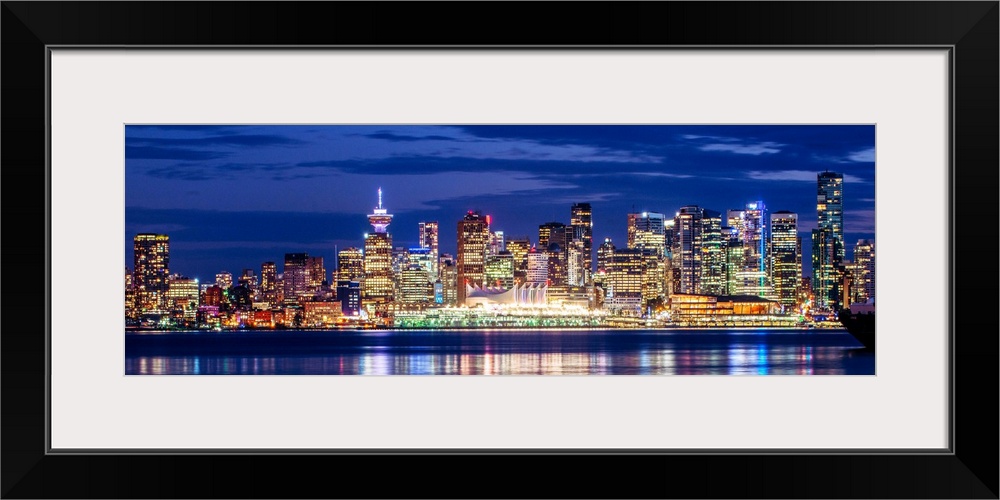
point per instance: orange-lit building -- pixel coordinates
(690, 305)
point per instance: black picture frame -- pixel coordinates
(970, 29)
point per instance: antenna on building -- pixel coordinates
(380, 197)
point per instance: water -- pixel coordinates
(498, 352)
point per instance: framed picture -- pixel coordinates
(113, 103)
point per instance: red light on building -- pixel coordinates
(489, 219)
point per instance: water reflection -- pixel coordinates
(518, 353)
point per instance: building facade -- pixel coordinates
(473, 237)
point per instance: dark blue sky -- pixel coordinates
(231, 197)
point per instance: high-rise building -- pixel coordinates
(713, 254)
(688, 252)
(786, 261)
(317, 272)
(269, 282)
(224, 280)
(423, 257)
(351, 265)
(349, 296)
(604, 253)
(828, 241)
(751, 278)
(473, 237)
(249, 280)
(295, 277)
(647, 231)
(414, 286)
(546, 232)
(538, 266)
(129, 295)
(577, 272)
(379, 285)
(496, 244)
(625, 281)
(830, 207)
(183, 296)
(150, 271)
(499, 270)
(864, 263)
(518, 248)
(428, 236)
(581, 219)
(449, 280)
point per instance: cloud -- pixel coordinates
(240, 140)
(158, 153)
(154, 228)
(863, 156)
(859, 221)
(389, 136)
(744, 149)
(794, 175)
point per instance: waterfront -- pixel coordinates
(498, 352)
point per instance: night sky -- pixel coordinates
(232, 197)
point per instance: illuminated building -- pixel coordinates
(713, 254)
(351, 265)
(378, 285)
(449, 281)
(734, 257)
(414, 285)
(826, 279)
(864, 265)
(249, 279)
(786, 261)
(473, 236)
(130, 312)
(150, 270)
(751, 275)
(349, 296)
(518, 249)
(212, 296)
(828, 241)
(499, 270)
(688, 233)
(320, 314)
(183, 296)
(604, 253)
(423, 257)
(295, 277)
(224, 280)
(427, 233)
(496, 244)
(551, 231)
(582, 221)
(647, 230)
(710, 308)
(269, 282)
(317, 272)
(538, 266)
(577, 272)
(624, 281)
(526, 295)
(830, 207)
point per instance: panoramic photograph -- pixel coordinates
(499, 250)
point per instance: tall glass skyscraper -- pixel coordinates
(751, 275)
(150, 271)
(473, 237)
(582, 221)
(828, 240)
(786, 263)
(428, 234)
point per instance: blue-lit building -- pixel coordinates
(349, 296)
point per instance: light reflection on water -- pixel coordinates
(729, 357)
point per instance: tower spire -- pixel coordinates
(380, 197)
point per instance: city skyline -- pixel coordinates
(234, 197)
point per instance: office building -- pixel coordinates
(786, 259)
(473, 237)
(378, 285)
(295, 277)
(427, 232)
(151, 267)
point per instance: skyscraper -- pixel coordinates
(538, 266)
(786, 262)
(688, 255)
(269, 282)
(473, 236)
(378, 285)
(750, 223)
(295, 276)
(828, 240)
(582, 221)
(351, 265)
(713, 254)
(317, 272)
(428, 235)
(499, 270)
(864, 263)
(150, 272)
(518, 248)
(647, 234)
(830, 207)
